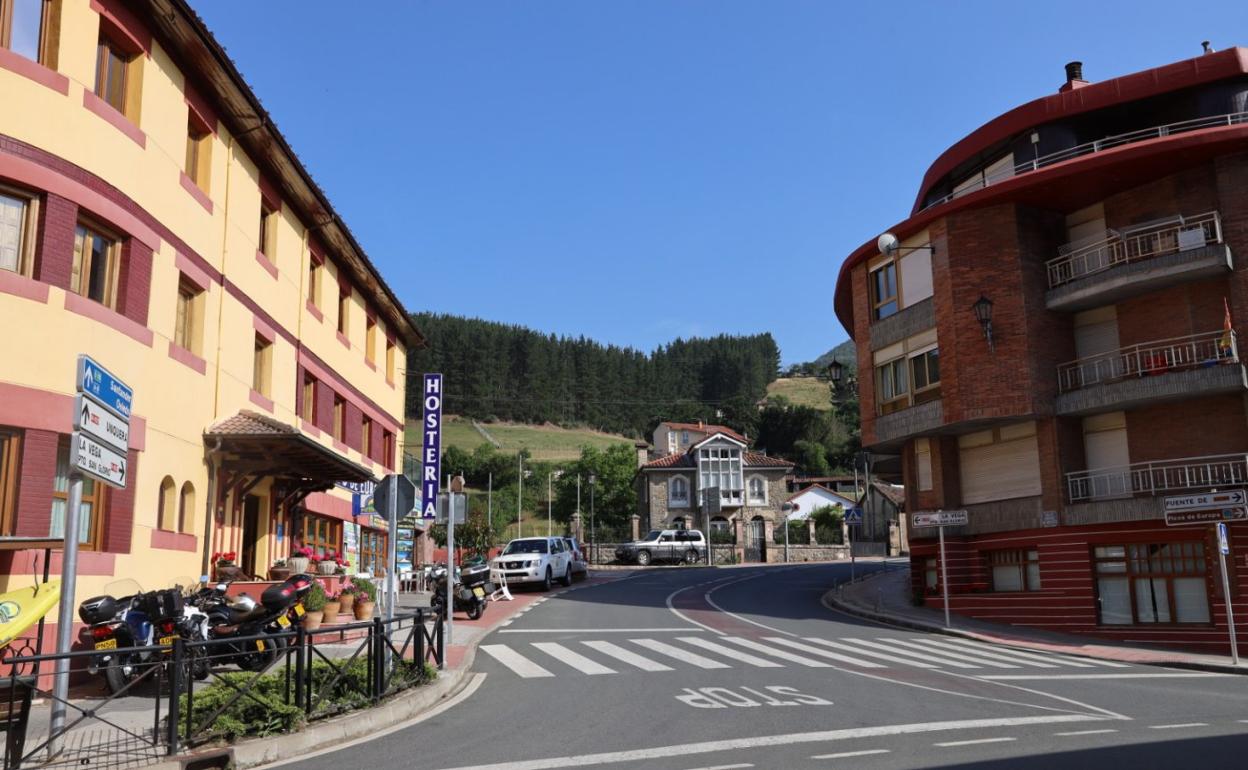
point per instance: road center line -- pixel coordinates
(1084, 732)
(725, 767)
(848, 754)
(1179, 726)
(765, 741)
(951, 744)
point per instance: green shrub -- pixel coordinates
(315, 600)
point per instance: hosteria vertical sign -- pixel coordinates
(431, 446)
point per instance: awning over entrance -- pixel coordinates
(252, 444)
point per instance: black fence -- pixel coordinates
(187, 694)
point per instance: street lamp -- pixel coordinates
(836, 370)
(983, 313)
(788, 509)
(888, 244)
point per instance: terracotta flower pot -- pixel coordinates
(347, 601)
(298, 564)
(364, 610)
(312, 620)
(332, 608)
(279, 573)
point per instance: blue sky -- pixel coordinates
(638, 170)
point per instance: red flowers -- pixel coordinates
(224, 557)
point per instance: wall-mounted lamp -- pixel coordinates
(836, 370)
(983, 314)
(889, 245)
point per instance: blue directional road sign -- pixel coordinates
(1224, 544)
(107, 390)
(853, 517)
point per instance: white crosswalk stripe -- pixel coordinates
(823, 653)
(911, 653)
(627, 656)
(962, 656)
(727, 652)
(781, 654)
(514, 661)
(684, 656)
(871, 653)
(573, 659)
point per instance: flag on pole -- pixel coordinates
(1226, 342)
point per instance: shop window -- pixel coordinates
(18, 215)
(92, 510)
(95, 266)
(262, 367)
(166, 505)
(24, 28)
(186, 508)
(322, 535)
(1015, 570)
(372, 551)
(10, 472)
(1148, 583)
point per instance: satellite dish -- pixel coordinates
(887, 244)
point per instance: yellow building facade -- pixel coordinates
(153, 218)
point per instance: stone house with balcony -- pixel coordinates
(718, 485)
(1049, 342)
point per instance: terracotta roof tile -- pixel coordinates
(750, 459)
(247, 423)
(707, 429)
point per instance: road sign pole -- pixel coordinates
(944, 575)
(65, 617)
(1220, 530)
(849, 538)
(450, 567)
(392, 553)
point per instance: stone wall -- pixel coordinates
(802, 553)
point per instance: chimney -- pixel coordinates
(1074, 77)
(643, 453)
(1207, 48)
(699, 424)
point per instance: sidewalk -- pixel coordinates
(885, 597)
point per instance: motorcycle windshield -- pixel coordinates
(123, 587)
(185, 584)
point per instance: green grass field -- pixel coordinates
(803, 391)
(544, 442)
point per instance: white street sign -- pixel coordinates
(102, 424)
(1207, 500)
(941, 518)
(97, 460)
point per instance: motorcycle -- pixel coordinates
(231, 624)
(148, 622)
(472, 587)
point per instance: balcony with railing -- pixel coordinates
(1153, 372)
(1134, 260)
(1093, 147)
(1157, 477)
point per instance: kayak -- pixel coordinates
(21, 609)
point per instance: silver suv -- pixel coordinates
(533, 560)
(685, 545)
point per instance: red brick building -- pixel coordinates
(1105, 228)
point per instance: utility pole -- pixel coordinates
(520, 494)
(549, 506)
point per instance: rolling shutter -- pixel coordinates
(1000, 464)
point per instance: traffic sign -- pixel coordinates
(405, 495)
(102, 424)
(98, 461)
(1206, 500)
(941, 518)
(100, 383)
(853, 517)
(1192, 518)
(456, 500)
(1224, 543)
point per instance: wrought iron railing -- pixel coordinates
(1095, 146)
(1132, 244)
(1150, 358)
(1151, 478)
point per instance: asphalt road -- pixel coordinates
(700, 669)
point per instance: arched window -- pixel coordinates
(166, 506)
(719, 524)
(678, 491)
(758, 490)
(186, 508)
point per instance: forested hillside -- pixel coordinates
(496, 371)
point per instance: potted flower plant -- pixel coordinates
(279, 570)
(332, 609)
(225, 566)
(347, 598)
(299, 560)
(327, 563)
(366, 598)
(314, 604)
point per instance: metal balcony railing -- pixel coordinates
(1095, 146)
(1150, 358)
(1132, 244)
(1151, 478)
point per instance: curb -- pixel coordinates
(832, 603)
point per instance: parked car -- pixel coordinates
(580, 563)
(533, 560)
(687, 545)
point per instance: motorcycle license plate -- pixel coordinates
(167, 640)
(299, 610)
(107, 644)
(260, 645)
(283, 621)
(478, 591)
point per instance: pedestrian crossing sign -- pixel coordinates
(853, 516)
